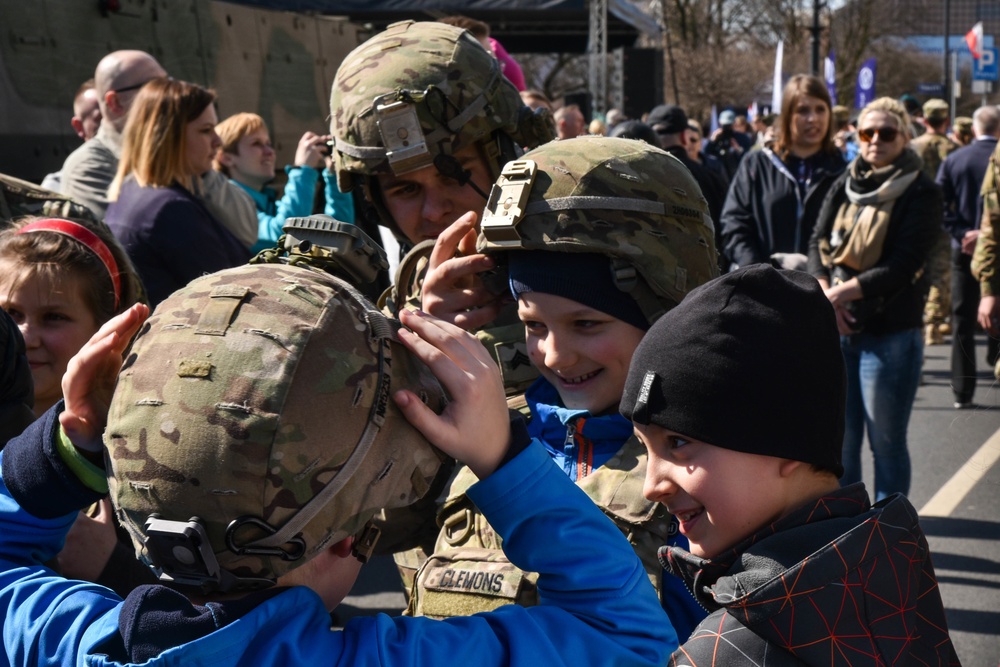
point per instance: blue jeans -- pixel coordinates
(883, 373)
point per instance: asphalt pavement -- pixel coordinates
(956, 488)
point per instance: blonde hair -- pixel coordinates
(892, 107)
(231, 131)
(154, 148)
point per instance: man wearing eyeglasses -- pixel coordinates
(89, 169)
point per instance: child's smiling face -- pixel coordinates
(584, 353)
(54, 321)
(720, 496)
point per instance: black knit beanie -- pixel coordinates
(584, 277)
(751, 362)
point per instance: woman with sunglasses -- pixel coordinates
(777, 191)
(167, 229)
(871, 243)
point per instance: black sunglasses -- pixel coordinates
(137, 86)
(886, 134)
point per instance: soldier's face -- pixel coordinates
(719, 496)
(201, 141)
(253, 162)
(584, 353)
(54, 322)
(424, 202)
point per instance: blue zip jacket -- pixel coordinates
(596, 610)
(579, 443)
(297, 202)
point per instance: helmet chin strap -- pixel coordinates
(449, 166)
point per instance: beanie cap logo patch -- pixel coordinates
(641, 412)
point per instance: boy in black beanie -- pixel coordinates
(738, 396)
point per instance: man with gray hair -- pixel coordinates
(89, 170)
(961, 177)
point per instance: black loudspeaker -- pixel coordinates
(642, 81)
(581, 100)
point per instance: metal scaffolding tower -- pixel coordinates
(597, 49)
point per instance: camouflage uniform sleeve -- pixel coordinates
(984, 259)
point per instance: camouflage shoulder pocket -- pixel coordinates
(467, 581)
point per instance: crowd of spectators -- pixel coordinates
(842, 215)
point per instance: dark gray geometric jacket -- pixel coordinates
(836, 582)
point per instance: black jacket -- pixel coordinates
(713, 187)
(836, 582)
(17, 391)
(961, 179)
(763, 214)
(899, 277)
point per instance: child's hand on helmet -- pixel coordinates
(90, 378)
(474, 428)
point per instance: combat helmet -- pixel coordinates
(415, 94)
(252, 426)
(619, 197)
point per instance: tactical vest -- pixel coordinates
(468, 572)
(503, 339)
(20, 198)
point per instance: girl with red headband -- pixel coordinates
(60, 281)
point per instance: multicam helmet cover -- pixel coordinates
(418, 91)
(252, 426)
(620, 197)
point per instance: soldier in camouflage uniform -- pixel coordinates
(262, 416)
(933, 146)
(596, 238)
(985, 261)
(423, 120)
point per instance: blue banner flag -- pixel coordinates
(830, 76)
(865, 90)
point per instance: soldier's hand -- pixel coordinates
(452, 290)
(90, 378)
(474, 428)
(989, 315)
(969, 241)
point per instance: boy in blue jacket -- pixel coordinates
(261, 417)
(594, 238)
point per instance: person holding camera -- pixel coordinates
(727, 145)
(247, 158)
(869, 251)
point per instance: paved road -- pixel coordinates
(957, 451)
(954, 450)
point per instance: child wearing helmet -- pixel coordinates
(596, 237)
(252, 506)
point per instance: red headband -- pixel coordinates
(86, 237)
